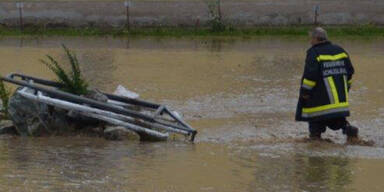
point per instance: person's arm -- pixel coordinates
(350, 72)
(311, 74)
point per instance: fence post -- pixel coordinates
(317, 10)
(197, 23)
(20, 6)
(127, 4)
(219, 9)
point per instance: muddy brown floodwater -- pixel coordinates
(239, 93)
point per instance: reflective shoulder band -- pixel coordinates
(332, 57)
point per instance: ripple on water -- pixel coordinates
(241, 96)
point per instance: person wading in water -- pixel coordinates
(323, 100)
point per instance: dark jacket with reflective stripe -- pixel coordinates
(327, 76)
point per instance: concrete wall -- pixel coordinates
(187, 12)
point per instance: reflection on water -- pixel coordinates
(239, 93)
(89, 164)
(300, 173)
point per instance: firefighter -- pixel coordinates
(323, 100)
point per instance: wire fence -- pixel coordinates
(189, 12)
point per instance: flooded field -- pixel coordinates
(240, 94)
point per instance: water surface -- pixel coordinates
(239, 93)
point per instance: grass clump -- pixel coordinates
(4, 97)
(215, 27)
(72, 81)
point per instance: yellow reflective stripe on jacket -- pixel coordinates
(309, 82)
(346, 88)
(333, 89)
(325, 107)
(332, 57)
(333, 107)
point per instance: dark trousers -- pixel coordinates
(318, 127)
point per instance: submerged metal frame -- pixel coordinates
(112, 112)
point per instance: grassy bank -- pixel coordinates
(366, 30)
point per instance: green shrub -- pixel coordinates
(72, 81)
